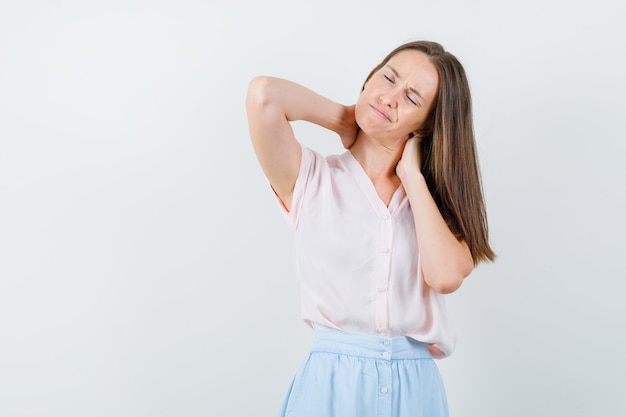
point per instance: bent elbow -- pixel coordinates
(259, 92)
(449, 281)
(447, 286)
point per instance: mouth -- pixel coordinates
(380, 113)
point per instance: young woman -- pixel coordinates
(382, 231)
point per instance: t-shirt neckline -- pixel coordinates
(367, 186)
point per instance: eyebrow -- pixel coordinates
(410, 88)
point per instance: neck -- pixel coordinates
(377, 159)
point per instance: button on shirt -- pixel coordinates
(357, 259)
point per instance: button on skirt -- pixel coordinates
(357, 375)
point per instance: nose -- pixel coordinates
(389, 98)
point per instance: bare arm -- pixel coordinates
(446, 261)
(271, 104)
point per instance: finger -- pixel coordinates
(435, 351)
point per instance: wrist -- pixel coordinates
(344, 119)
(411, 177)
(347, 128)
(408, 170)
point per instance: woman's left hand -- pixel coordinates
(411, 158)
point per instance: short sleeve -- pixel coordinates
(306, 184)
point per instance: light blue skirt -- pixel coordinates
(357, 375)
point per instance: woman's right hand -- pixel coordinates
(349, 127)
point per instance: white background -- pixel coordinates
(146, 271)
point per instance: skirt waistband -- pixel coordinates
(375, 347)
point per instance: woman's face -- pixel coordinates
(397, 99)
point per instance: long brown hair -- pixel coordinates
(449, 159)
